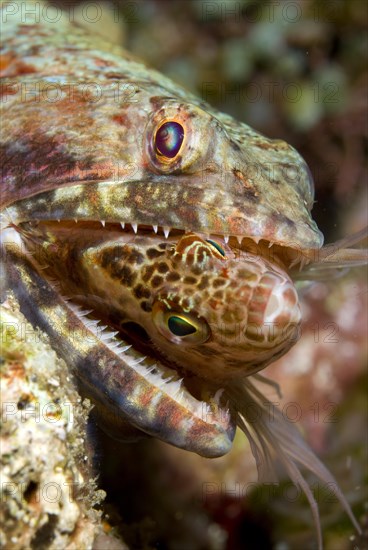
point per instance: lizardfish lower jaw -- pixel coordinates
(151, 396)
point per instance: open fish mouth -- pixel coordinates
(154, 379)
(116, 365)
(145, 388)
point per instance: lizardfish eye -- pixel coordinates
(217, 246)
(180, 328)
(169, 138)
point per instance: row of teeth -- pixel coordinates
(161, 377)
(301, 260)
(6, 221)
(166, 230)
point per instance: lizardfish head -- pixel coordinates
(162, 162)
(165, 162)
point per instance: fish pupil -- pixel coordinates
(169, 138)
(180, 327)
(217, 246)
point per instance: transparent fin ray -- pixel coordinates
(273, 434)
(333, 260)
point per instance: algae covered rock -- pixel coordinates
(48, 495)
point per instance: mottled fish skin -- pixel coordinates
(79, 119)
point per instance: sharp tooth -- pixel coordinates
(239, 239)
(134, 227)
(155, 228)
(58, 220)
(123, 349)
(107, 336)
(76, 220)
(103, 223)
(84, 312)
(218, 396)
(226, 238)
(151, 368)
(91, 324)
(113, 345)
(136, 362)
(303, 262)
(122, 225)
(270, 244)
(256, 239)
(166, 231)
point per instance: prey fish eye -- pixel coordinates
(169, 138)
(180, 328)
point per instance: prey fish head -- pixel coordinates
(205, 307)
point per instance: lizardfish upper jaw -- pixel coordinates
(178, 204)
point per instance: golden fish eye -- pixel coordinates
(168, 139)
(180, 328)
